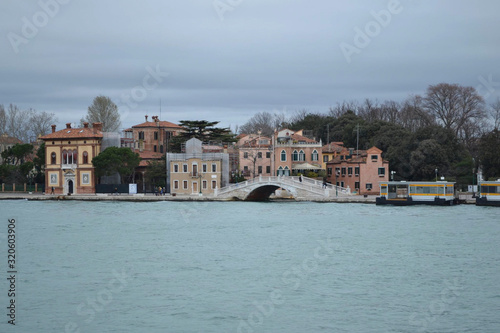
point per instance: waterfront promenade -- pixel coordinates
(465, 198)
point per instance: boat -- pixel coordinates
(489, 193)
(402, 193)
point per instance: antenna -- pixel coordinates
(357, 140)
(160, 108)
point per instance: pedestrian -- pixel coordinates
(52, 190)
(116, 191)
(300, 178)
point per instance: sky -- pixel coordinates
(226, 60)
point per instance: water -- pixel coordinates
(251, 267)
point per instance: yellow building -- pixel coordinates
(69, 153)
(330, 151)
(195, 172)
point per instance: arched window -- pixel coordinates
(295, 156)
(280, 171)
(283, 156)
(65, 157)
(314, 156)
(302, 156)
(53, 158)
(75, 157)
(287, 171)
(85, 157)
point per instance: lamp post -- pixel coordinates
(199, 185)
(392, 175)
(436, 174)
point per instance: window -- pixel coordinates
(53, 158)
(185, 168)
(287, 171)
(204, 184)
(343, 171)
(214, 184)
(176, 184)
(245, 169)
(85, 157)
(259, 169)
(283, 156)
(325, 158)
(268, 169)
(302, 156)
(374, 158)
(185, 184)
(259, 154)
(341, 157)
(176, 168)
(214, 167)
(342, 184)
(194, 167)
(204, 167)
(349, 171)
(268, 154)
(280, 171)
(65, 157)
(295, 156)
(245, 155)
(141, 135)
(337, 171)
(381, 172)
(154, 148)
(156, 135)
(368, 186)
(314, 156)
(356, 171)
(356, 185)
(329, 171)
(161, 149)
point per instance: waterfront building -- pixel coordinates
(196, 171)
(361, 171)
(69, 153)
(330, 151)
(256, 155)
(296, 153)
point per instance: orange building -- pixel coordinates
(295, 153)
(69, 153)
(361, 170)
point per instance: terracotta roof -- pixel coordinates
(333, 147)
(72, 133)
(128, 130)
(301, 138)
(5, 139)
(163, 124)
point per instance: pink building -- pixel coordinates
(295, 153)
(255, 155)
(359, 170)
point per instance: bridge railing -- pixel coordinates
(309, 184)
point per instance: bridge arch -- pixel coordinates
(262, 193)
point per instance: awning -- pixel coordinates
(305, 166)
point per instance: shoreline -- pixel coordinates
(154, 198)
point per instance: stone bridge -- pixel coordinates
(261, 188)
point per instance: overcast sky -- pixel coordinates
(229, 59)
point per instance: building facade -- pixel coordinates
(69, 153)
(295, 153)
(360, 171)
(196, 172)
(256, 155)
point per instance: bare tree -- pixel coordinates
(103, 110)
(494, 113)
(341, 109)
(40, 123)
(413, 116)
(454, 106)
(265, 122)
(3, 120)
(18, 123)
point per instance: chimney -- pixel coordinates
(97, 126)
(53, 128)
(85, 125)
(146, 118)
(68, 125)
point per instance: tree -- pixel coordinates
(489, 158)
(17, 154)
(454, 106)
(103, 110)
(494, 113)
(156, 172)
(40, 123)
(25, 125)
(202, 130)
(39, 164)
(264, 122)
(116, 160)
(3, 120)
